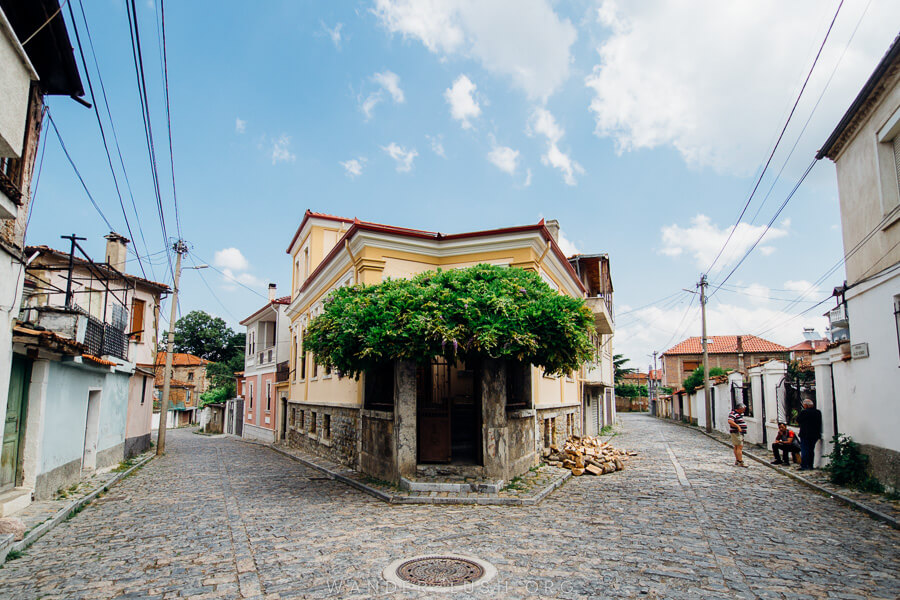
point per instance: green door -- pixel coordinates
(13, 424)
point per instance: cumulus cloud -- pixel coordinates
(524, 41)
(543, 123)
(463, 104)
(334, 33)
(387, 81)
(715, 88)
(565, 244)
(354, 167)
(240, 126)
(402, 156)
(702, 240)
(235, 268)
(504, 158)
(281, 149)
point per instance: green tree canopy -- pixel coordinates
(206, 336)
(480, 311)
(695, 379)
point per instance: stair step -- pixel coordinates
(14, 500)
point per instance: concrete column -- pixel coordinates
(405, 430)
(773, 372)
(34, 422)
(495, 434)
(825, 403)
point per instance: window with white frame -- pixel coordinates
(888, 157)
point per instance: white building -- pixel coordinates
(862, 366)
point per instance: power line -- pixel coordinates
(203, 279)
(777, 141)
(229, 277)
(102, 131)
(77, 172)
(115, 136)
(162, 8)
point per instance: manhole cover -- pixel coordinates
(439, 572)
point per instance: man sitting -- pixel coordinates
(786, 441)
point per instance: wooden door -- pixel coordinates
(433, 410)
(14, 422)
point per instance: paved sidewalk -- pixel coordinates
(218, 518)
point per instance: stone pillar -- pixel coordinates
(405, 431)
(34, 422)
(773, 373)
(825, 403)
(495, 439)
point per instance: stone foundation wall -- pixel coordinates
(884, 464)
(523, 448)
(136, 445)
(47, 484)
(376, 455)
(327, 431)
(555, 424)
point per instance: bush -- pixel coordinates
(695, 379)
(215, 395)
(848, 466)
(630, 390)
(460, 314)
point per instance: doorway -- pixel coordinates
(284, 418)
(14, 423)
(91, 431)
(448, 414)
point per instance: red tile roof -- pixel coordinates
(98, 360)
(181, 359)
(810, 346)
(725, 344)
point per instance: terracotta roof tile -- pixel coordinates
(181, 359)
(725, 344)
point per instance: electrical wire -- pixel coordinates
(777, 141)
(212, 293)
(165, 61)
(77, 172)
(229, 277)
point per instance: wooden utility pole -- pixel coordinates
(706, 392)
(180, 248)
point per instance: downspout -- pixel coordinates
(540, 261)
(352, 262)
(762, 394)
(834, 415)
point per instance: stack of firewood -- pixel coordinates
(587, 455)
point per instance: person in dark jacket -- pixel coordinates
(810, 422)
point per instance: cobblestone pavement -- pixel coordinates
(218, 518)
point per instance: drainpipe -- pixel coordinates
(834, 415)
(352, 261)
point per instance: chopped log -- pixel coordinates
(593, 470)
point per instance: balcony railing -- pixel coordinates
(102, 339)
(282, 371)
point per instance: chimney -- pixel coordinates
(116, 250)
(272, 287)
(553, 226)
(740, 353)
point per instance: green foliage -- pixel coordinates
(216, 395)
(848, 466)
(480, 311)
(630, 390)
(665, 390)
(801, 372)
(208, 337)
(695, 379)
(619, 361)
(14, 554)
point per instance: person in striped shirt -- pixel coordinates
(738, 428)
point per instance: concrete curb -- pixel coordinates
(874, 513)
(63, 513)
(402, 499)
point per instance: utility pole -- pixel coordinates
(180, 248)
(706, 392)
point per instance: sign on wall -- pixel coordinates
(859, 350)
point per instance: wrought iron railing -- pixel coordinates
(282, 371)
(102, 339)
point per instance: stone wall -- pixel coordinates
(555, 424)
(327, 431)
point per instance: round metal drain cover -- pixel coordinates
(439, 572)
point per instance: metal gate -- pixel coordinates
(790, 395)
(742, 394)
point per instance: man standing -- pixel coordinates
(810, 422)
(787, 442)
(738, 428)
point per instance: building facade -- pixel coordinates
(187, 381)
(728, 352)
(859, 375)
(264, 384)
(488, 420)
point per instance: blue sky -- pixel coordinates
(641, 127)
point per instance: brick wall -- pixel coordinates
(674, 365)
(326, 431)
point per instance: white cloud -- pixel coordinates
(334, 33)
(387, 81)
(527, 178)
(281, 149)
(565, 244)
(461, 98)
(543, 123)
(403, 156)
(703, 239)
(716, 88)
(525, 41)
(641, 332)
(437, 145)
(804, 288)
(240, 126)
(504, 158)
(230, 258)
(354, 167)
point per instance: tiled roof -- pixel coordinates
(725, 344)
(158, 381)
(810, 346)
(181, 359)
(98, 360)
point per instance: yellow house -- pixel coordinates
(404, 421)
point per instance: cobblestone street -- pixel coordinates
(219, 518)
